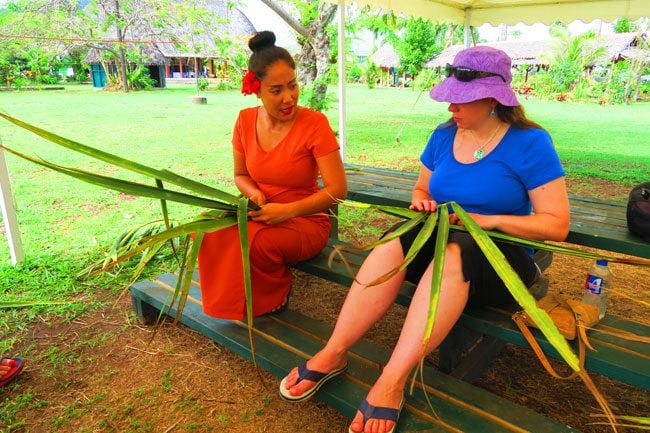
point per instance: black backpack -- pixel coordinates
(638, 211)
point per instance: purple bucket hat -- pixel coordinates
(485, 59)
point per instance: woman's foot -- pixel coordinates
(322, 362)
(383, 397)
(280, 308)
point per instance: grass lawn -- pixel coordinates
(66, 224)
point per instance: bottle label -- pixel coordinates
(594, 284)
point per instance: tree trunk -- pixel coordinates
(120, 50)
(314, 56)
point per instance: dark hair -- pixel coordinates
(266, 53)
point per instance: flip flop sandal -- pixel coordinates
(369, 411)
(16, 366)
(314, 376)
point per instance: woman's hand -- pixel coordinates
(486, 222)
(424, 205)
(271, 213)
(258, 198)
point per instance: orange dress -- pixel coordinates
(286, 173)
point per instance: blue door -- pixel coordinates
(98, 74)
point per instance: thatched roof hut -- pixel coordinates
(227, 24)
(385, 57)
(528, 53)
(231, 23)
(621, 46)
(521, 53)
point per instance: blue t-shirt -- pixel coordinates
(499, 183)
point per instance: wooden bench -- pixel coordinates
(285, 340)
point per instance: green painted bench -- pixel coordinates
(283, 341)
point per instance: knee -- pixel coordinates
(263, 247)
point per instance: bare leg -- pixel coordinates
(363, 306)
(389, 388)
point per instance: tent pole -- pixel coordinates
(341, 60)
(9, 213)
(468, 28)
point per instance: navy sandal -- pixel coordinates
(314, 376)
(369, 411)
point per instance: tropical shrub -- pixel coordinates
(371, 74)
(203, 83)
(354, 73)
(139, 78)
(426, 79)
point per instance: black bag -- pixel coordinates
(638, 211)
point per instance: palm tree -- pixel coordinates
(570, 56)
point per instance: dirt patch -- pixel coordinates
(103, 373)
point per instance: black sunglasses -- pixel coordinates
(465, 74)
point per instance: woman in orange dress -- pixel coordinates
(279, 149)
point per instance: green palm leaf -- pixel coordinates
(553, 248)
(125, 163)
(423, 235)
(29, 303)
(517, 288)
(436, 278)
(506, 273)
(128, 187)
(242, 222)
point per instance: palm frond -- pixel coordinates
(242, 222)
(125, 163)
(127, 187)
(517, 288)
(29, 303)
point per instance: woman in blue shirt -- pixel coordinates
(500, 167)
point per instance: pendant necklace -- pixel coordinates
(478, 153)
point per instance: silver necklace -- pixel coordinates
(478, 153)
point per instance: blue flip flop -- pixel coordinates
(369, 411)
(14, 370)
(314, 376)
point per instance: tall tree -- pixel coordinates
(570, 56)
(314, 59)
(420, 41)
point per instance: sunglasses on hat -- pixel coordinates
(465, 74)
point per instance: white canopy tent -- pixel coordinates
(478, 12)
(9, 219)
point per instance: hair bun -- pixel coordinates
(261, 40)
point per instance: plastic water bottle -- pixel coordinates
(597, 285)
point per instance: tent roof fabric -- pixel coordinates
(478, 12)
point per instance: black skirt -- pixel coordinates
(485, 286)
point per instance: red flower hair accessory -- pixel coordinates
(250, 84)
